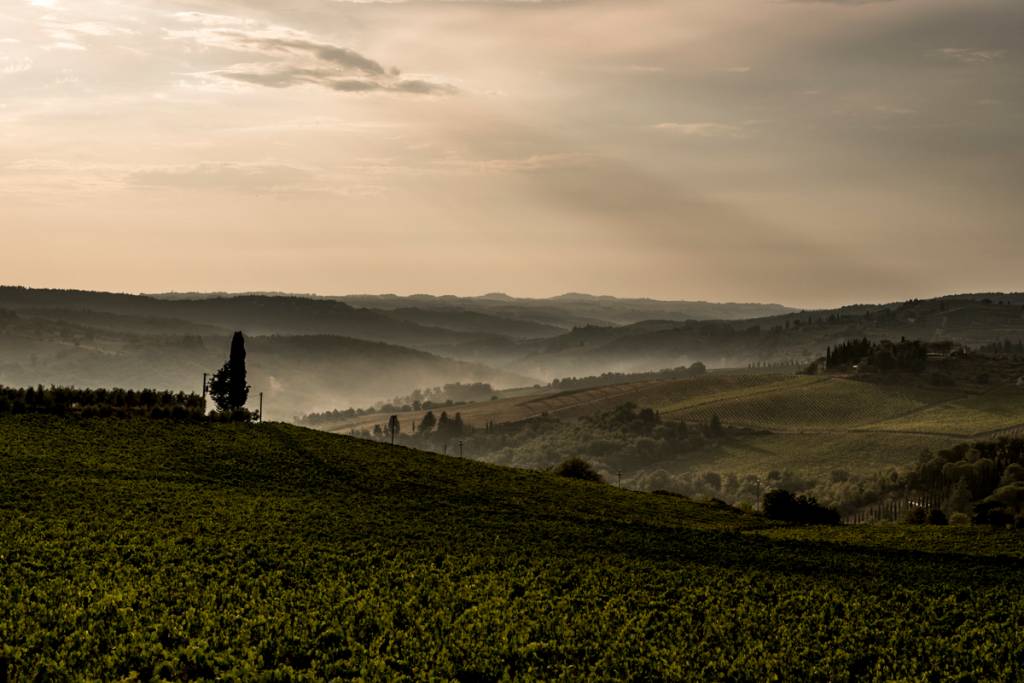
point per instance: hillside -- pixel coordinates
(296, 373)
(972, 320)
(148, 548)
(571, 310)
(811, 431)
(258, 315)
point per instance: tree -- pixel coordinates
(394, 427)
(715, 426)
(784, 505)
(228, 388)
(427, 423)
(444, 426)
(577, 468)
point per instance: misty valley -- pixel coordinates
(364, 488)
(483, 341)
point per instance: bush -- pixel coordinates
(784, 506)
(937, 517)
(578, 468)
(916, 515)
(960, 519)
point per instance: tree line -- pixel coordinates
(884, 356)
(56, 400)
(227, 388)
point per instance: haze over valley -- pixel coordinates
(511, 340)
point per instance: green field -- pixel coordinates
(811, 403)
(809, 425)
(150, 549)
(812, 455)
(527, 404)
(1000, 410)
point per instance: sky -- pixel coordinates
(806, 152)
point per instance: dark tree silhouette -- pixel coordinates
(427, 423)
(783, 505)
(228, 388)
(394, 427)
(577, 468)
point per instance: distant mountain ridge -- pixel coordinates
(386, 345)
(565, 310)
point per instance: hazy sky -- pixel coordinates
(810, 152)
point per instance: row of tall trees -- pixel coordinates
(56, 400)
(430, 426)
(228, 389)
(884, 356)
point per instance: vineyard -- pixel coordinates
(589, 401)
(142, 549)
(1000, 411)
(814, 403)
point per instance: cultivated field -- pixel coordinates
(811, 425)
(143, 549)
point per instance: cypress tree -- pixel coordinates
(228, 388)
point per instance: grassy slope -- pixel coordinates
(522, 405)
(817, 424)
(189, 551)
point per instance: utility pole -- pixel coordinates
(444, 448)
(620, 479)
(261, 406)
(460, 449)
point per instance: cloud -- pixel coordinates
(284, 76)
(294, 58)
(852, 3)
(703, 129)
(969, 56)
(243, 177)
(536, 162)
(10, 66)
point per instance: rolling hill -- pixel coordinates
(816, 428)
(297, 374)
(574, 309)
(156, 549)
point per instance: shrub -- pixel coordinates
(787, 507)
(960, 519)
(578, 468)
(916, 515)
(937, 517)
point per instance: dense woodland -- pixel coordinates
(100, 402)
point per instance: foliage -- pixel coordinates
(785, 506)
(228, 387)
(100, 402)
(883, 356)
(578, 468)
(147, 549)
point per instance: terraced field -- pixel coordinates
(576, 403)
(815, 455)
(810, 425)
(997, 412)
(810, 403)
